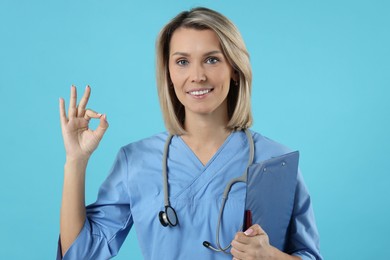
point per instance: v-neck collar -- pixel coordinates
(234, 145)
(196, 159)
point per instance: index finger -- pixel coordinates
(72, 111)
(245, 237)
(63, 118)
(254, 230)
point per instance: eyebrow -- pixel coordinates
(185, 54)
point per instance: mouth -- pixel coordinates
(200, 92)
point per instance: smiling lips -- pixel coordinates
(199, 93)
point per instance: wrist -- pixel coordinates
(76, 161)
(77, 156)
(275, 253)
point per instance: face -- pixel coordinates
(199, 71)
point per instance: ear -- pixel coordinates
(235, 76)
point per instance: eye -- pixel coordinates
(212, 60)
(182, 62)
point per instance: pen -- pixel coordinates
(247, 219)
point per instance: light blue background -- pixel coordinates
(321, 85)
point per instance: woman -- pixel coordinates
(204, 85)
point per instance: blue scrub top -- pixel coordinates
(132, 196)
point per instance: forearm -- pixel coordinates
(73, 202)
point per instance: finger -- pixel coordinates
(239, 246)
(63, 118)
(102, 127)
(72, 104)
(254, 230)
(91, 114)
(242, 238)
(237, 254)
(84, 101)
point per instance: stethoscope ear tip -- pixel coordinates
(206, 244)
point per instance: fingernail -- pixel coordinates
(248, 232)
(99, 115)
(105, 117)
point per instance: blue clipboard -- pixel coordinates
(270, 195)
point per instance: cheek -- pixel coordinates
(224, 76)
(176, 76)
(176, 83)
(177, 87)
(224, 79)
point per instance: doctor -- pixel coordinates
(204, 85)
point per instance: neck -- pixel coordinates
(205, 130)
(205, 133)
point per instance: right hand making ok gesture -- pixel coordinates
(79, 140)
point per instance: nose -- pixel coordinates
(198, 74)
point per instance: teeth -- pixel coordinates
(200, 92)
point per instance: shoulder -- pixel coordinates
(266, 148)
(153, 140)
(150, 145)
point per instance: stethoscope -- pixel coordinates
(168, 217)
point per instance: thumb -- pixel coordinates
(102, 127)
(254, 230)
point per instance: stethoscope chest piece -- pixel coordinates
(168, 217)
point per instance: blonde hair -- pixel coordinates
(233, 48)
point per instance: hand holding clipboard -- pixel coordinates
(270, 196)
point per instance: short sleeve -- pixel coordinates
(303, 240)
(108, 219)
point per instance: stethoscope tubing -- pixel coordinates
(242, 178)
